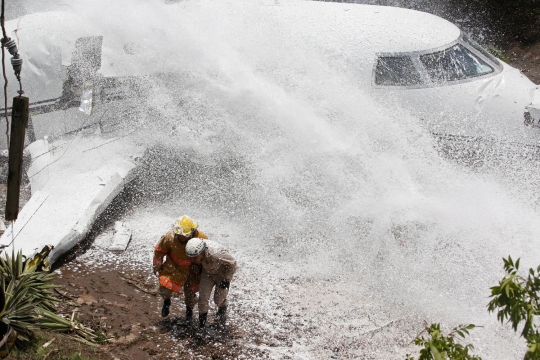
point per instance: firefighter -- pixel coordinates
(177, 271)
(218, 268)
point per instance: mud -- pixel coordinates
(124, 306)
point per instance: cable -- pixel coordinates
(4, 73)
(16, 63)
(12, 234)
(13, 226)
(72, 140)
(16, 60)
(108, 142)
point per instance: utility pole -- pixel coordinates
(19, 121)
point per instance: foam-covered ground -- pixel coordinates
(299, 313)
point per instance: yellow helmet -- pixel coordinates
(184, 226)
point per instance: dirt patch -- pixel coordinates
(124, 306)
(54, 346)
(526, 59)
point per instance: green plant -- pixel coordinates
(498, 52)
(26, 292)
(60, 347)
(101, 337)
(517, 300)
(29, 303)
(438, 346)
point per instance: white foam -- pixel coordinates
(286, 160)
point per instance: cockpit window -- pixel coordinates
(454, 63)
(480, 49)
(396, 71)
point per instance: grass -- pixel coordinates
(64, 347)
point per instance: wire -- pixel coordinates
(108, 142)
(69, 144)
(3, 28)
(13, 226)
(18, 75)
(12, 234)
(4, 73)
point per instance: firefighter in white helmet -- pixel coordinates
(177, 272)
(218, 268)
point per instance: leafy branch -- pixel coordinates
(516, 300)
(437, 346)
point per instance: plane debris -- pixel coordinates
(122, 236)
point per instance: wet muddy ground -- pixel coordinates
(124, 306)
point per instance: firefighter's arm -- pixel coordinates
(194, 277)
(228, 268)
(161, 249)
(229, 272)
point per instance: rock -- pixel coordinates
(86, 299)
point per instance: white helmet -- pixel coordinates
(195, 247)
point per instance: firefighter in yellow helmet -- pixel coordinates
(177, 272)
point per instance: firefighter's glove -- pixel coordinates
(157, 269)
(195, 270)
(224, 284)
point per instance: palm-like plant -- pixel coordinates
(26, 291)
(29, 303)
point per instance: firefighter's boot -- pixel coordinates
(202, 325)
(202, 320)
(189, 316)
(165, 308)
(221, 315)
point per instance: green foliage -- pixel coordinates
(497, 52)
(61, 347)
(438, 346)
(27, 291)
(101, 337)
(30, 304)
(533, 350)
(516, 300)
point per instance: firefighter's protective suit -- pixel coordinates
(218, 268)
(173, 266)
